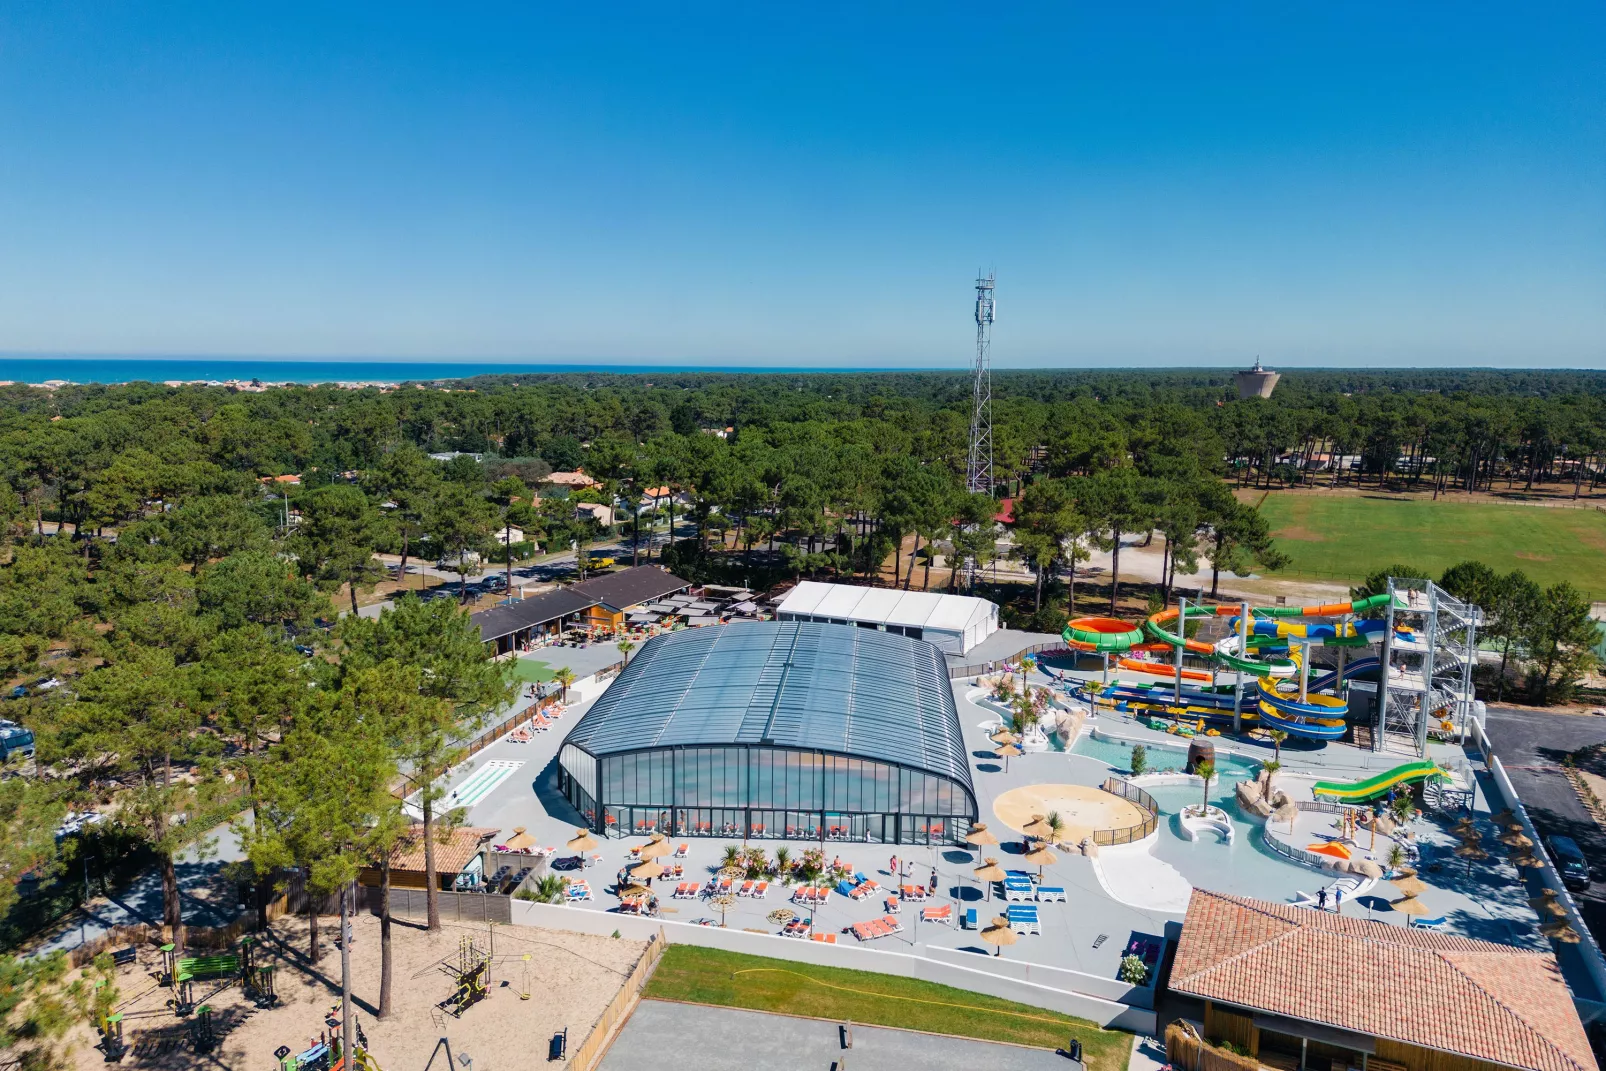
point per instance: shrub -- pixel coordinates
(1134, 971)
(1140, 759)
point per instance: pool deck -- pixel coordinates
(1088, 933)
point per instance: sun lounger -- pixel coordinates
(1017, 892)
(1429, 924)
(1023, 918)
(970, 918)
(891, 925)
(680, 852)
(916, 893)
(845, 887)
(865, 888)
(943, 914)
(761, 889)
(891, 905)
(746, 889)
(826, 938)
(1050, 892)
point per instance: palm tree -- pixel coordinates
(1056, 826)
(1271, 766)
(1206, 769)
(1277, 737)
(564, 677)
(625, 647)
(783, 864)
(732, 857)
(549, 889)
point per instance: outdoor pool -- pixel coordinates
(1118, 756)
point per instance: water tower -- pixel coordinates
(1256, 382)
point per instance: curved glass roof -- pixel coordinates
(838, 688)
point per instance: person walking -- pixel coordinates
(1321, 898)
(1338, 900)
(892, 867)
(933, 881)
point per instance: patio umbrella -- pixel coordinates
(1517, 839)
(656, 848)
(1470, 851)
(1525, 860)
(723, 901)
(634, 889)
(1409, 886)
(1000, 934)
(781, 916)
(1409, 905)
(1007, 752)
(520, 841)
(1548, 905)
(980, 836)
(1560, 930)
(582, 841)
(1002, 735)
(1038, 828)
(989, 872)
(1507, 818)
(1040, 857)
(648, 870)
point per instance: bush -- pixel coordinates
(1140, 759)
(1134, 971)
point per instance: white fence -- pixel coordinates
(1103, 1011)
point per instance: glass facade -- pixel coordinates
(758, 791)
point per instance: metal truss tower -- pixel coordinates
(979, 466)
(1426, 684)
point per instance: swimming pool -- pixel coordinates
(1245, 867)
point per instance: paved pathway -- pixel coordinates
(728, 1039)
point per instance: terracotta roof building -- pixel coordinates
(1292, 984)
(577, 478)
(462, 851)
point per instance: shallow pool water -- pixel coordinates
(1246, 867)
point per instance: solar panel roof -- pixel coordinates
(836, 688)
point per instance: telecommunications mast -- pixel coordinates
(979, 466)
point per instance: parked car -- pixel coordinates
(1570, 861)
(14, 740)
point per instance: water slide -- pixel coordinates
(1371, 788)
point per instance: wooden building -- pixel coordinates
(1298, 988)
(463, 851)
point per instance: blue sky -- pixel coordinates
(1155, 185)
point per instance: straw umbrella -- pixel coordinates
(633, 890)
(656, 848)
(1040, 856)
(582, 841)
(1007, 752)
(1547, 903)
(1517, 839)
(520, 841)
(648, 870)
(1560, 930)
(1038, 828)
(980, 836)
(723, 901)
(989, 872)
(781, 916)
(999, 934)
(1001, 735)
(1508, 819)
(1409, 886)
(1526, 861)
(1409, 905)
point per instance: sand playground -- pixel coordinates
(570, 979)
(1083, 809)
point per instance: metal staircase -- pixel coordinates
(1426, 681)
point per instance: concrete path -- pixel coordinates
(663, 1034)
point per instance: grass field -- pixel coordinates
(531, 671)
(1346, 537)
(732, 980)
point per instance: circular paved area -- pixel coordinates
(1083, 809)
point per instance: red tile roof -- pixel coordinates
(1487, 1001)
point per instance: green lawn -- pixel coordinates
(531, 671)
(1346, 537)
(732, 980)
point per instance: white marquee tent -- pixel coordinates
(953, 623)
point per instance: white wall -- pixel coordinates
(1102, 1011)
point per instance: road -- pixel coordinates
(1531, 745)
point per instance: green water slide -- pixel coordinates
(1371, 788)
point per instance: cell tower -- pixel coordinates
(979, 466)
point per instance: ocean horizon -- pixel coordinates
(115, 370)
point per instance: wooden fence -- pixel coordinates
(1187, 1050)
(592, 1049)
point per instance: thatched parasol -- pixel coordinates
(656, 848)
(1038, 828)
(582, 841)
(649, 869)
(1560, 930)
(633, 890)
(1040, 857)
(1526, 860)
(520, 841)
(1002, 735)
(980, 836)
(1546, 903)
(1517, 839)
(1000, 934)
(989, 872)
(723, 901)
(1470, 851)
(1410, 886)
(1409, 905)
(781, 916)
(1508, 819)
(1007, 751)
